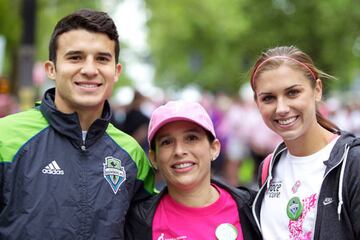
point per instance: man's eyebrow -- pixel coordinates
(106, 54)
(71, 52)
(76, 52)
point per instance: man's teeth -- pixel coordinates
(287, 121)
(182, 165)
(89, 85)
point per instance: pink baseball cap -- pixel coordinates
(179, 110)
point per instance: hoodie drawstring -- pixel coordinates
(341, 180)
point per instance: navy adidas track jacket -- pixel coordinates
(54, 185)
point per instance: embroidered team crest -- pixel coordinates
(114, 173)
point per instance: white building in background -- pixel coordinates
(130, 17)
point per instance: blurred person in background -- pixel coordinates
(8, 103)
(311, 188)
(217, 105)
(345, 114)
(135, 121)
(248, 139)
(355, 117)
(65, 171)
(183, 144)
(235, 150)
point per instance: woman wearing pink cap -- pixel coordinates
(310, 186)
(183, 144)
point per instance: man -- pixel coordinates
(65, 171)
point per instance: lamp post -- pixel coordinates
(26, 54)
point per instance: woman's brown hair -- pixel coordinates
(296, 59)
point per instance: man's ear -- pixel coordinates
(118, 69)
(152, 158)
(50, 69)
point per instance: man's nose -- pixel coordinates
(89, 68)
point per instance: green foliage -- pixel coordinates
(10, 28)
(194, 42)
(213, 43)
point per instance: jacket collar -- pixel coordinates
(338, 150)
(335, 155)
(68, 124)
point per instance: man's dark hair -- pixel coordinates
(87, 19)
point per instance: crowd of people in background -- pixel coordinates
(246, 140)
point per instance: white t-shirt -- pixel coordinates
(294, 177)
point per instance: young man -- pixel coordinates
(65, 172)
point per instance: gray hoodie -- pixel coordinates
(338, 206)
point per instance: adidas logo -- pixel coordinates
(53, 168)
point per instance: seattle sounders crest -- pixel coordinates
(114, 173)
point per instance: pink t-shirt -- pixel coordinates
(174, 221)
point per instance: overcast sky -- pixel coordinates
(130, 18)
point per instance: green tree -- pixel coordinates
(325, 29)
(214, 43)
(10, 28)
(197, 42)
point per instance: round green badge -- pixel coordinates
(294, 208)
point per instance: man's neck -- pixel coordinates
(86, 118)
(87, 115)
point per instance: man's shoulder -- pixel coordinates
(125, 141)
(16, 129)
(27, 123)
(20, 116)
(121, 137)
